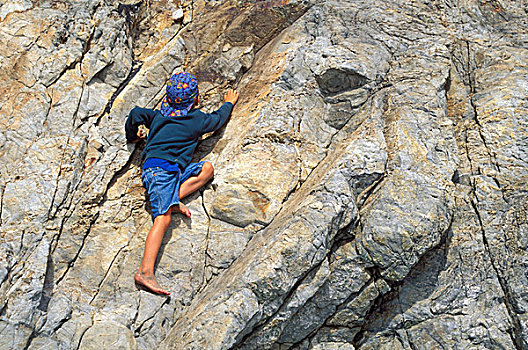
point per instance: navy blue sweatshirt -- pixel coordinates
(174, 138)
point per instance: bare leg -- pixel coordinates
(145, 276)
(195, 182)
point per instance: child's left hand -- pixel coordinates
(142, 133)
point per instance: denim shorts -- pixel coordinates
(163, 186)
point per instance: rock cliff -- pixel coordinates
(369, 193)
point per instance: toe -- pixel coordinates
(162, 291)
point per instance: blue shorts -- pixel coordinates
(163, 186)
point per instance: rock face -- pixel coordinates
(369, 192)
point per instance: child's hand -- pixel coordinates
(231, 96)
(141, 134)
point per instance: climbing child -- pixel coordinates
(168, 174)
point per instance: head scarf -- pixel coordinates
(182, 88)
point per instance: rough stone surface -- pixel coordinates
(369, 191)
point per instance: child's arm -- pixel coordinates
(215, 120)
(136, 117)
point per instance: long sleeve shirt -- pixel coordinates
(174, 138)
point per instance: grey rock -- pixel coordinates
(106, 334)
(369, 190)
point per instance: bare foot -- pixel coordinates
(149, 283)
(181, 208)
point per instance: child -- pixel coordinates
(168, 174)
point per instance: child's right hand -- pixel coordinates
(231, 96)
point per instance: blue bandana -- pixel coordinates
(182, 89)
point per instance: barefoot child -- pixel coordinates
(168, 174)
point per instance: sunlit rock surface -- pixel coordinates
(369, 192)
